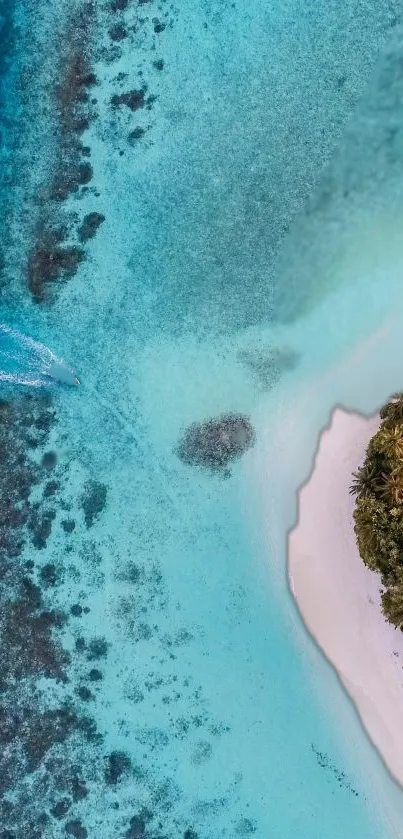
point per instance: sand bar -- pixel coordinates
(338, 597)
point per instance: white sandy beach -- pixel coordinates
(338, 597)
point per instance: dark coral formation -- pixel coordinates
(215, 443)
(49, 460)
(84, 693)
(119, 5)
(31, 727)
(48, 575)
(24, 425)
(118, 764)
(68, 525)
(70, 179)
(158, 25)
(61, 808)
(49, 260)
(49, 748)
(118, 32)
(138, 825)
(95, 675)
(97, 648)
(93, 501)
(26, 627)
(136, 135)
(75, 828)
(54, 257)
(89, 226)
(133, 99)
(72, 100)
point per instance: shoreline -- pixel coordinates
(338, 597)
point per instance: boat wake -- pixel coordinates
(24, 361)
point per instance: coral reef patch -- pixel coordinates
(215, 443)
(54, 257)
(36, 727)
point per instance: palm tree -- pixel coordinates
(366, 480)
(390, 441)
(393, 486)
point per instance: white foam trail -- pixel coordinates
(24, 361)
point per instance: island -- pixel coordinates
(344, 567)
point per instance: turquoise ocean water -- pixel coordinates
(254, 218)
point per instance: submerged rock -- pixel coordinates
(213, 444)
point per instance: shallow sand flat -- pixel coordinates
(338, 597)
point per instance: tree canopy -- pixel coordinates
(378, 513)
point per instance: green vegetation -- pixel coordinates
(378, 514)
